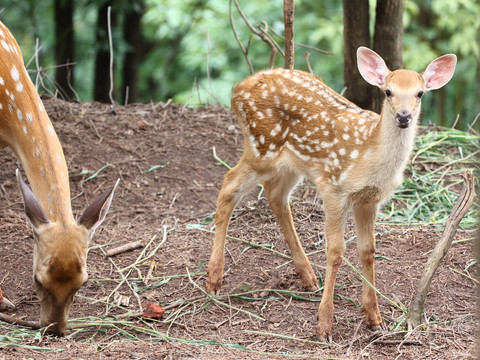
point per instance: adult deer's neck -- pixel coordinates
(36, 144)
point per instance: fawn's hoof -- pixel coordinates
(324, 332)
(213, 287)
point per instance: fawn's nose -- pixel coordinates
(403, 119)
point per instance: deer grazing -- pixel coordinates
(61, 242)
(295, 126)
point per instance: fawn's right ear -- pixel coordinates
(33, 209)
(371, 66)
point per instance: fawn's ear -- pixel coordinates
(439, 71)
(371, 66)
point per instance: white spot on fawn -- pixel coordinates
(5, 45)
(19, 115)
(15, 74)
(354, 154)
(50, 130)
(276, 130)
(29, 118)
(2, 82)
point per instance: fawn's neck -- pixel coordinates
(394, 146)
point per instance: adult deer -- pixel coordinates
(295, 126)
(60, 250)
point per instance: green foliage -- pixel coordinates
(192, 57)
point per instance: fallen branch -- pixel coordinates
(13, 320)
(124, 248)
(463, 204)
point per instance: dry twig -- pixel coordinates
(13, 320)
(463, 204)
(124, 248)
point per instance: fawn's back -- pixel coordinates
(291, 117)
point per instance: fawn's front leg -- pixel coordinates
(365, 216)
(335, 214)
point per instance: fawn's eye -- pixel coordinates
(388, 93)
(420, 94)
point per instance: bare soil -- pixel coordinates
(174, 202)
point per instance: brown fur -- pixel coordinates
(60, 251)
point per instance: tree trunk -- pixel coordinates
(288, 17)
(388, 40)
(356, 33)
(64, 47)
(102, 58)
(133, 37)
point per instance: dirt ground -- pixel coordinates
(169, 183)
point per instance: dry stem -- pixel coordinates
(463, 204)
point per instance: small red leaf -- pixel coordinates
(153, 311)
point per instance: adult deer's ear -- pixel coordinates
(94, 214)
(372, 67)
(439, 71)
(34, 211)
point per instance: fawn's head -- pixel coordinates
(404, 88)
(60, 254)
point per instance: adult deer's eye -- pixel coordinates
(39, 284)
(388, 93)
(420, 94)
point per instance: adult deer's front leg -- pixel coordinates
(365, 215)
(335, 213)
(278, 191)
(236, 183)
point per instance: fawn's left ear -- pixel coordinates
(439, 71)
(372, 67)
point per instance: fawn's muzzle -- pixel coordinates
(403, 119)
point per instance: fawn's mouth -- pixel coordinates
(403, 125)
